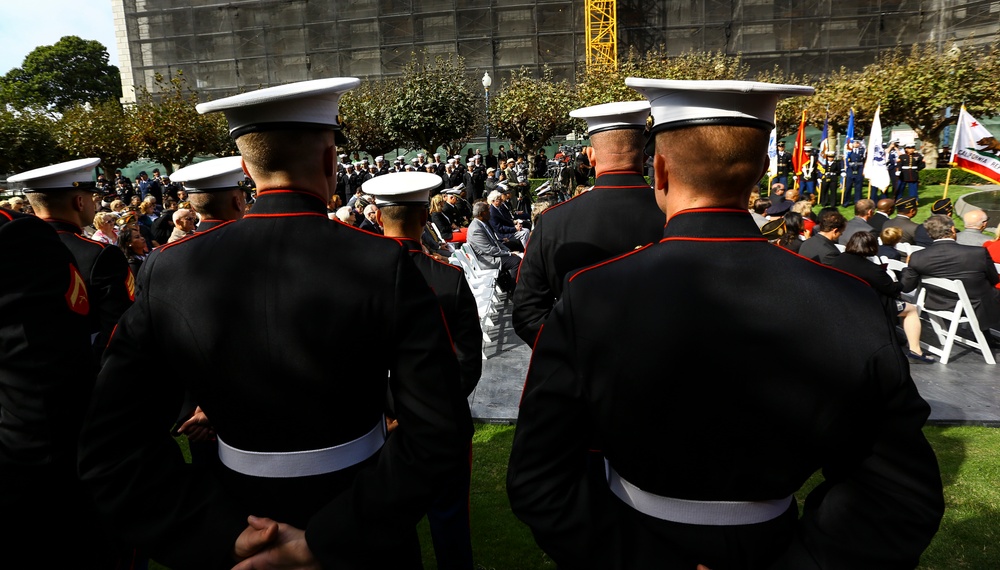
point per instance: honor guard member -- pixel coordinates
(698, 468)
(402, 210)
(575, 233)
(829, 180)
(891, 164)
(910, 164)
(784, 164)
(301, 437)
(62, 195)
(854, 180)
(810, 171)
(47, 372)
(214, 190)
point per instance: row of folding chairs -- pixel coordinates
(483, 282)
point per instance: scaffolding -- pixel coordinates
(602, 35)
(224, 47)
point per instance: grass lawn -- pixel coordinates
(970, 468)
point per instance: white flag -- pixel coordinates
(966, 152)
(876, 170)
(772, 153)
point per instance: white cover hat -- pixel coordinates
(72, 175)
(613, 116)
(401, 188)
(215, 175)
(679, 103)
(314, 102)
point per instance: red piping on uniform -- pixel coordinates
(447, 331)
(196, 234)
(112, 335)
(293, 215)
(6, 215)
(77, 226)
(289, 191)
(681, 238)
(603, 263)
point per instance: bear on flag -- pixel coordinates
(975, 149)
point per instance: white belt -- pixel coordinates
(303, 463)
(712, 513)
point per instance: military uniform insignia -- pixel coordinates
(76, 295)
(130, 286)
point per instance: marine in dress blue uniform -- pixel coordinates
(61, 194)
(402, 200)
(258, 306)
(617, 215)
(698, 467)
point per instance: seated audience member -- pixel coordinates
(346, 215)
(883, 211)
(855, 260)
(521, 207)
(759, 211)
(947, 259)
(104, 225)
(508, 230)
(975, 223)
(863, 210)
(445, 225)
(809, 219)
(754, 195)
(822, 246)
(163, 227)
(906, 209)
(774, 230)
(184, 222)
(489, 250)
(941, 207)
(792, 240)
(778, 209)
(134, 246)
(370, 223)
(890, 237)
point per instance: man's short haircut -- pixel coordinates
(620, 140)
(831, 220)
(370, 208)
(719, 157)
(493, 195)
(283, 150)
(863, 206)
(974, 217)
(939, 226)
(761, 205)
(478, 208)
(406, 214)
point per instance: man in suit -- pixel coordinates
(720, 495)
(906, 208)
(946, 258)
(864, 209)
(61, 195)
(402, 210)
(305, 469)
(491, 252)
(576, 233)
(822, 245)
(883, 211)
(975, 223)
(511, 232)
(370, 223)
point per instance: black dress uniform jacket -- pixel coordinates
(603, 376)
(618, 215)
(258, 307)
(109, 280)
(972, 265)
(47, 372)
(452, 291)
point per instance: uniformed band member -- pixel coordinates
(214, 190)
(910, 163)
(46, 374)
(257, 307)
(701, 469)
(62, 195)
(402, 210)
(577, 233)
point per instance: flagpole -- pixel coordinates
(947, 181)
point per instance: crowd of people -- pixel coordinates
(258, 268)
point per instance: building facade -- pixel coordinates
(225, 47)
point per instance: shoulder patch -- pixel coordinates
(76, 295)
(130, 285)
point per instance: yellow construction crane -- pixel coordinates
(602, 35)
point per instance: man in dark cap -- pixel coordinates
(720, 495)
(575, 234)
(906, 208)
(317, 481)
(62, 195)
(774, 229)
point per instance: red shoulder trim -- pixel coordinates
(290, 215)
(603, 263)
(6, 215)
(194, 235)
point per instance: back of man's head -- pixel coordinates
(831, 220)
(761, 205)
(940, 226)
(864, 207)
(886, 205)
(716, 158)
(974, 219)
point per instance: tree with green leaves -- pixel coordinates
(70, 72)
(167, 129)
(102, 130)
(435, 105)
(529, 112)
(363, 113)
(27, 141)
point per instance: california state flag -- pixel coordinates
(975, 149)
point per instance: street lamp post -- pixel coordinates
(486, 85)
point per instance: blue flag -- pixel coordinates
(850, 132)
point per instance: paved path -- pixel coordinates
(966, 391)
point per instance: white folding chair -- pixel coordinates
(842, 248)
(961, 313)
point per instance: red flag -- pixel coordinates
(799, 156)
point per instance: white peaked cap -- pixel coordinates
(314, 102)
(613, 116)
(72, 175)
(400, 188)
(211, 175)
(680, 103)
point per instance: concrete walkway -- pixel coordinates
(966, 391)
